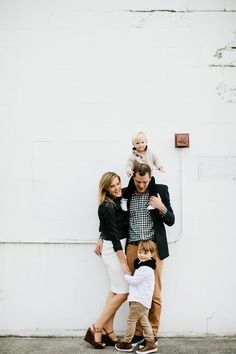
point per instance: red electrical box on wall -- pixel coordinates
(182, 140)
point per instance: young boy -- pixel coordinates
(141, 287)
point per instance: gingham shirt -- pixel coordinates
(140, 222)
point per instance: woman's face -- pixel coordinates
(115, 188)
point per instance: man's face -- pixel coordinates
(141, 182)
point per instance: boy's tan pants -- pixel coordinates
(138, 312)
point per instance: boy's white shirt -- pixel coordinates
(141, 285)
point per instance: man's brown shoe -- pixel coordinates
(150, 347)
(124, 347)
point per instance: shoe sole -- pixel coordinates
(124, 350)
(147, 352)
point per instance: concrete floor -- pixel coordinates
(183, 345)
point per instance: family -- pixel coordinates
(133, 245)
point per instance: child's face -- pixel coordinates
(144, 256)
(140, 144)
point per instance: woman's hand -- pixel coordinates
(98, 248)
(123, 262)
(125, 268)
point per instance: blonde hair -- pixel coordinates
(104, 184)
(146, 246)
(138, 136)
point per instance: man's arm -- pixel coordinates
(163, 205)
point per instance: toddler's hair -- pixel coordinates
(138, 136)
(147, 245)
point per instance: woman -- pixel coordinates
(113, 230)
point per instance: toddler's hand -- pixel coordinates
(161, 169)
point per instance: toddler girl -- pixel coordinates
(140, 154)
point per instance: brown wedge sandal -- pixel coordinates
(90, 338)
(107, 339)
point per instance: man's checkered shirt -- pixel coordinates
(140, 222)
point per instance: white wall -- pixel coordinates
(78, 79)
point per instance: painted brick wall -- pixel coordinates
(78, 79)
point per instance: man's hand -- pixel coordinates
(98, 248)
(156, 203)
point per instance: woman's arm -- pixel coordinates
(123, 262)
(109, 224)
(108, 215)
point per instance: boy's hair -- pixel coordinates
(142, 169)
(146, 246)
(138, 136)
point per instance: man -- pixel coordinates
(146, 224)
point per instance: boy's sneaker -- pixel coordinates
(145, 342)
(124, 347)
(150, 347)
(123, 204)
(136, 340)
